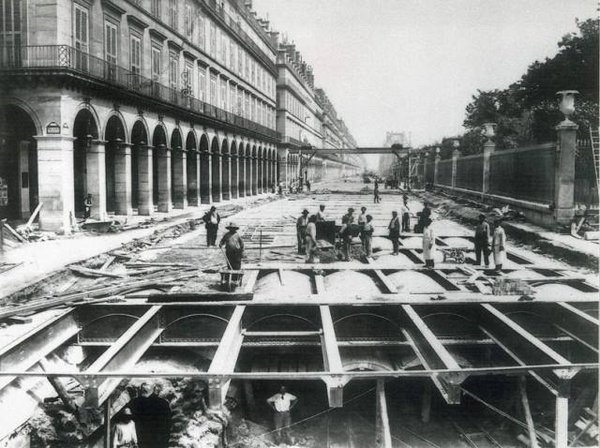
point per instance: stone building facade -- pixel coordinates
(147, 105)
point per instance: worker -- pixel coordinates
(311, 239)
(423, 215)
(142, 415)
(124, 434)
(361, 221)
(161, 411)
(482, 241)
(308, 185)
(394, 232)
(301, 224)
(211, 222)
(234, 246)
(367, 236)
(87, 204)
(376, 198)
(499, 245)
(405, 211)
(282, 403)
(428, 243)
(347, 221)
(321, 213)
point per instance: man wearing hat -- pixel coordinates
(234, 246)
(482, 241)
(347, 220)
(301, 224)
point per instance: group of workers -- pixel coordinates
(145, 422)
(362, 227)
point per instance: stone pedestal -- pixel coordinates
(164, 179)
(145, 181)
(488, 149)
(564, 175)
(123, 179)
(179, 180)
(56, 186)
(455, 156)
(95, 159)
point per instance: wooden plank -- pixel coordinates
(93, 272)
(14, 233)
(34, 214)
(108, 262)
(249, 280)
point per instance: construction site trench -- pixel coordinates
(380, 351)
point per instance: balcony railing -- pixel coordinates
(64, 57)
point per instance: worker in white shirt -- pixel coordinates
(321, 213)
(282, 403)
(311, 239)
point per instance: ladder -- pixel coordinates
(595, 142)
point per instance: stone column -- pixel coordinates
(56, 186)
(564, 174)
(488, 149)
(455, 156)
(164, 179)
(241, 175)
(226, 177)
(254, 175)
(145, 181)
(436, 170)
(179, 181)
(249, 175)
(123, 179)
(95, 157)
(194, 180)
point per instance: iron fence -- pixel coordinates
(525, 173)
(67, 58)
(445, 172)
(469, 172)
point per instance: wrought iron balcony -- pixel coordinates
(71, 60)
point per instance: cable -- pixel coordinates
(325, 411)
(501, 412)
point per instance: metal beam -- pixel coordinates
(576, 323)
(332, 360)
(524, 347)
(123, 354)
(26, 351)
(225, 359)
(433, 355)
(360, 150)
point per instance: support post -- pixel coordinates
(145, 181)
(488, 149)
(383, 436)
(564, 174)
(164, 179)
(123, 179)
(533, 443)
(107, 425)
(561, 428)
(455, 156)
(426, 403)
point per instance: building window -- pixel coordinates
(213, 89)
(135, 54)
(188, 19)
(223, 94)
(247, 67)
(232, 102)
(247, 106)
(202, 83)
(213, 39)
(187, 79)
(156, 63)
(155, 8)
(232, 54)
(81, 27)
(110, 48)
(11, 17)
(201, 32)
(173, 71)
(240, 101)
(173, 14)
(240, 61)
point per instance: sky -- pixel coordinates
(413, 65)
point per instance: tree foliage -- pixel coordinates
(527, 111)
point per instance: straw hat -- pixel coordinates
(231, 225)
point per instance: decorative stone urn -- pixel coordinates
(489, 130)
(567, 104)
